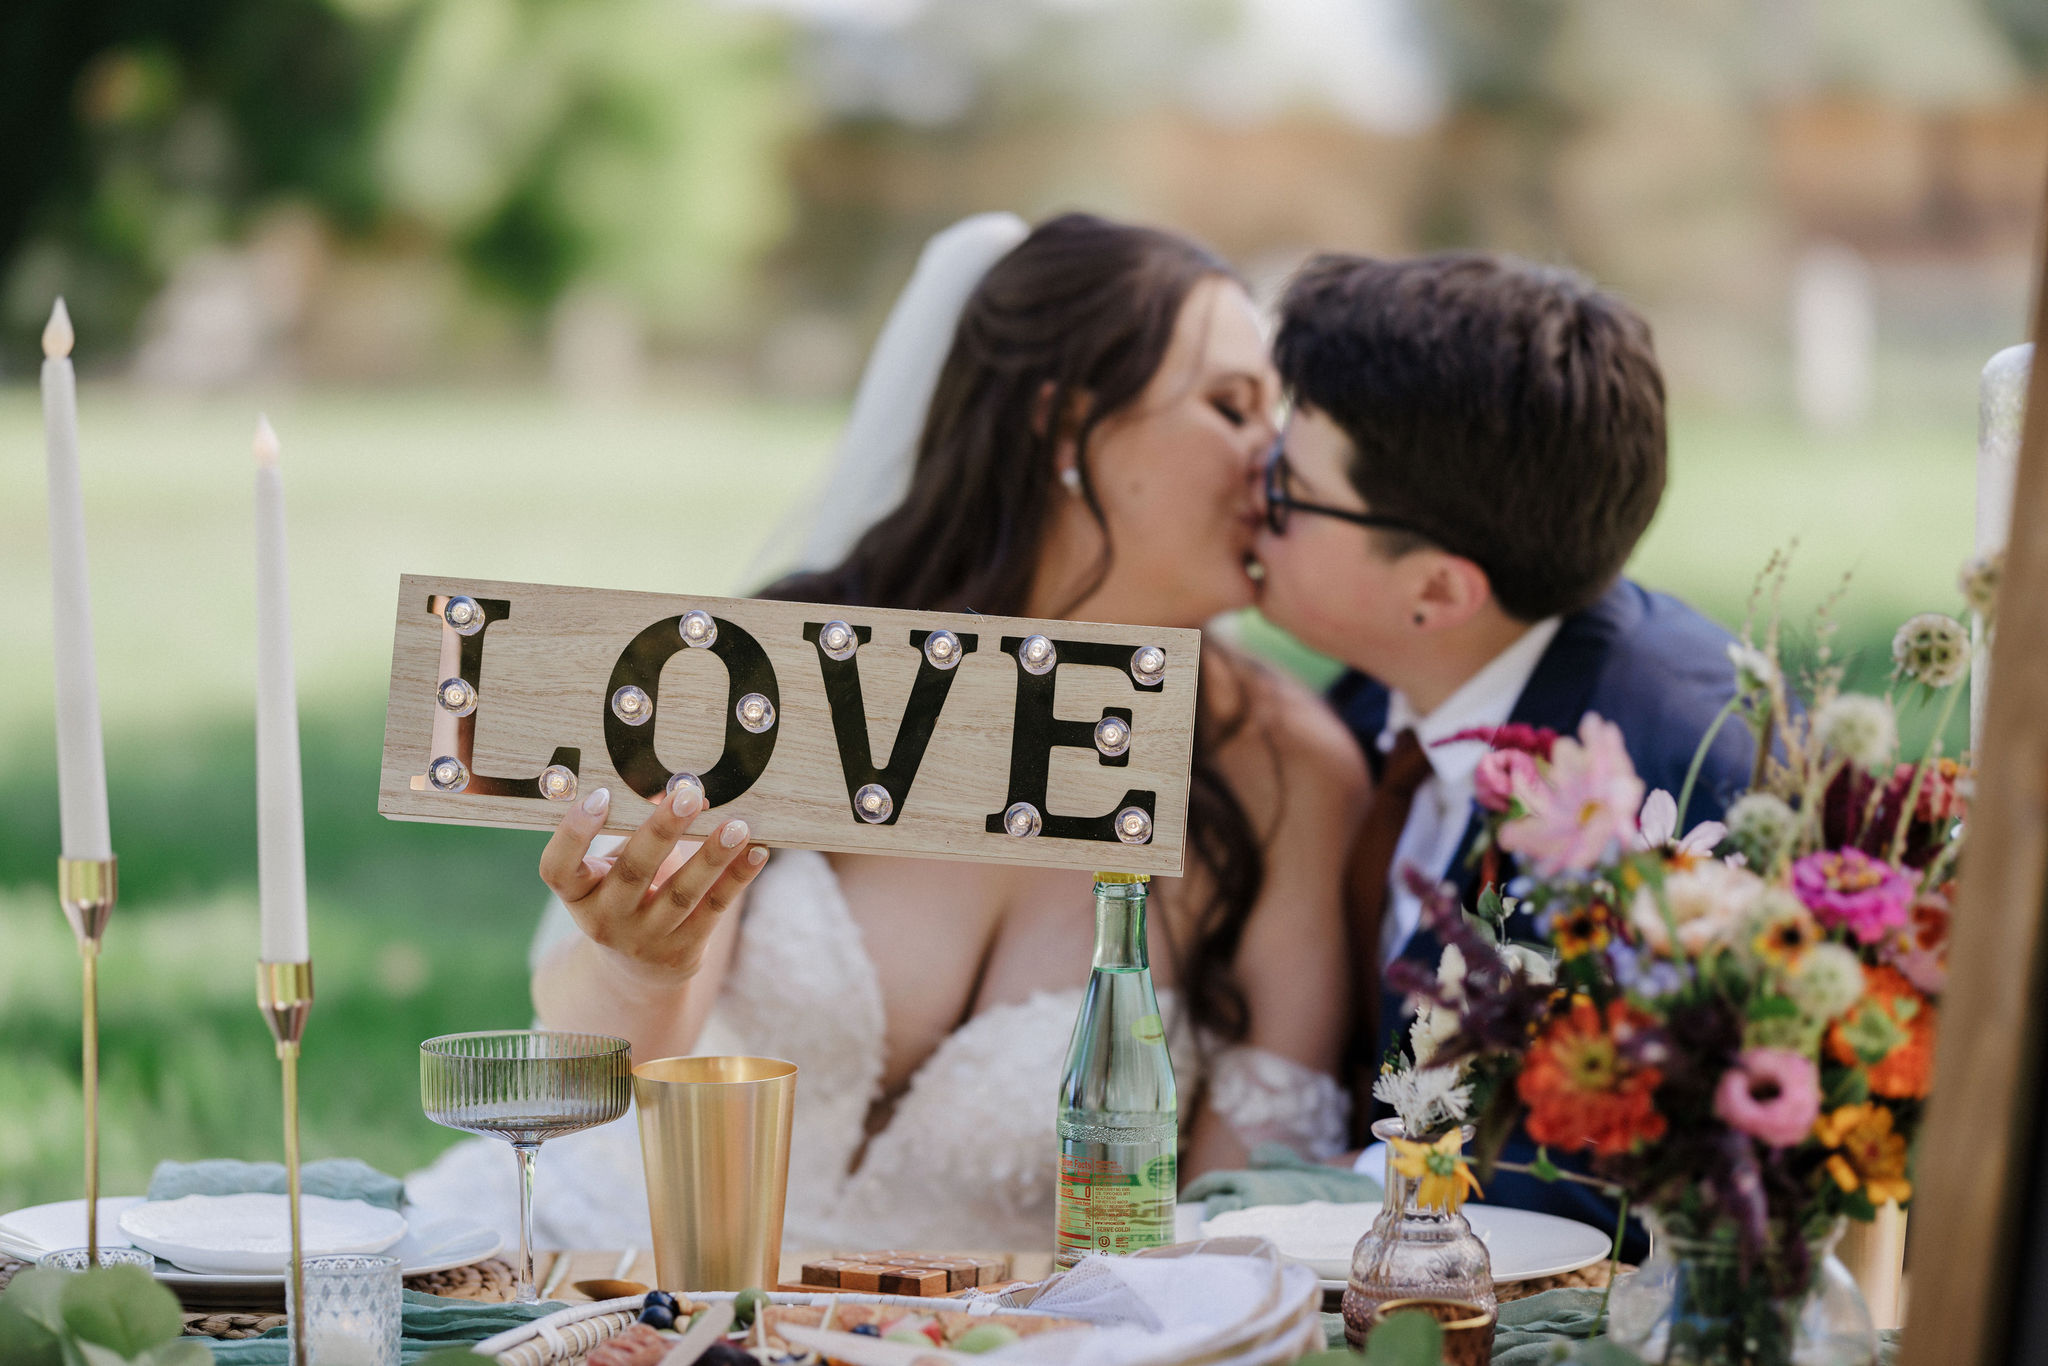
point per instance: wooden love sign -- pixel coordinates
(927, 734)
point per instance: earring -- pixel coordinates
(1071, 477)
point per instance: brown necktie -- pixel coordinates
(1366, 890)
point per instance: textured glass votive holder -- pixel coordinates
(78, 1258)
(352, 1310)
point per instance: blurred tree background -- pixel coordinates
(575, 291)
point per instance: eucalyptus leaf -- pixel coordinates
(183, 1352)
(26, 1340)
(79, 1352)
(1409, 1338)
(448, 1356)
(1773, 1007)
(122, 1308)
(36, 1293)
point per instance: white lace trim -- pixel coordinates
(1269, 1098)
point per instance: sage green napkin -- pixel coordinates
(1550, 1329)
(429, 1323)
(1277, 1176)
(337, 1178)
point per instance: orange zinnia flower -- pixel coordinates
(1907, 1071)
(1583, 1090)
(1871, 1155)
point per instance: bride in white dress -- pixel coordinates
(1098, 400)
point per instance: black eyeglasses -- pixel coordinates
(1281, 500)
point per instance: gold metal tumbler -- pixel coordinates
(714, 1134)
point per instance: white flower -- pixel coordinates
(1932, 648)
(1828, 983)
(1428, 1099)
(1433, 1027)
(1860, 728)
(1979, 582)
(1756, 673)
(1534, 965)
(1761, 823)
(1450, 972)
(1708, 903)
(1657, 823)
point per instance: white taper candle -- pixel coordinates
(2001, 405)
(280, 811)
(81, 752)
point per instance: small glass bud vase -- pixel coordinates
(1413, 1251)
(1697, 1302)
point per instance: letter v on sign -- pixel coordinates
(850, 719)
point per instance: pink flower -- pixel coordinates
(1500, 773)
(1771, 1094)
(1848, 889)
(1583, 808)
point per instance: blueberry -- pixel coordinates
(662, 1298)
(658, 1316)
(725, 1354)
(867, 1330)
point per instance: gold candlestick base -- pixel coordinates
(285, 993)
(86, 890)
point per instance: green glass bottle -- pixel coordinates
(1119, 1122)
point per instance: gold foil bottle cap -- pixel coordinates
(1123, 877)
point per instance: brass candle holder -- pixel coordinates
(86, 888)
(284, 991)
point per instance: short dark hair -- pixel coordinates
(1511, 411)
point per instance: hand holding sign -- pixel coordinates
(1006, 740)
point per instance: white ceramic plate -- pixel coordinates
(29, 1233)
(1522, 1244)
(250, 1234)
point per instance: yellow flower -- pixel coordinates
(1870, 1156)
(1441, 1169)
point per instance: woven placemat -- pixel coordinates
(1592, 1277)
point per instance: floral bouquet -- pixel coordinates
(1734, 1024)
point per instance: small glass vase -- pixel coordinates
(1694, 1303)
(1413, 1251)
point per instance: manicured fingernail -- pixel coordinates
(734, 834)
(597, 801)
(757, 856)
(684, 803)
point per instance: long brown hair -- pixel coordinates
(1076, 319)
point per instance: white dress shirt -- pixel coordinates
(1443, 804)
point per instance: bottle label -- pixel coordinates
(1148, 1029)
(1114, 1198)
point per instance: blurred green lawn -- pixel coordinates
(422, 929)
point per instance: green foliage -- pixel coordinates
(1411, 1338)
(641, 151)
(1406, 1339)
(107, 1317)
(633, 144)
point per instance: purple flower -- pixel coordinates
(1772, 1094)
(1848, 889)
(1645, 974)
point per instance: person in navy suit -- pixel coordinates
(1475, 448)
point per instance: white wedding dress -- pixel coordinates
(966, 1159)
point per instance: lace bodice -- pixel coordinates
(966, 1159)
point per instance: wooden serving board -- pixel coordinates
(955, 748)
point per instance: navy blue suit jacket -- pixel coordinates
(1655, 668)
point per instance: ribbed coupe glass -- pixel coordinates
(525, 1086)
